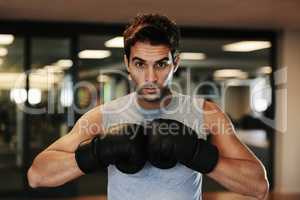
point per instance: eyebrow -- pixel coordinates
(160, 60)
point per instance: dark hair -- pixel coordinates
(153, 28)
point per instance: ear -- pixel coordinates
(126, 63)
(176, 62)
(127, 66)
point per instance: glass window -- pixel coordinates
(12, 95)
(50, 67)
(102, 70)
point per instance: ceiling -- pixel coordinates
(263, 14)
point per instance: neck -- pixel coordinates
(163, 102)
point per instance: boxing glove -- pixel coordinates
(170, 142)
(122, 145)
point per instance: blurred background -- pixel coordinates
(242, 55)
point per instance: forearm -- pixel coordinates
(53, 168)
(241, 176)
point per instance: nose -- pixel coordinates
(150, 75)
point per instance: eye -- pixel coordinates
(161, 65)
(139, 64)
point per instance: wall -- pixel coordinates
(287, 158)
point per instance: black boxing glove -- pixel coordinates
(122, 145)
(170, 141)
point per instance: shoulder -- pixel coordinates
(214, 117)
(96, 113)
(118, 103)
(211, 107)
(196, 101)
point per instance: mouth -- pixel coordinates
(150, 90)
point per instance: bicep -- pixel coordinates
(223, 134)
(87, 127)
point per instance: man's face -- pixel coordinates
(151, 68)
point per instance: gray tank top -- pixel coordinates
(151, 183)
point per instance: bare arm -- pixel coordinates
(238, 168)
(56, 165)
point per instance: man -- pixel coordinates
(133, 138)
